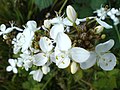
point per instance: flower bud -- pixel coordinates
(74, 67)
(5, 37)
(45, 69)
(98, 29)
(103, 36)
(71, 13)
(47, 23)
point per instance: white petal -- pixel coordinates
(45, 44)
(9, 68)
(2, 27)
(55, 30)
(52, 57)
(62, 61)
(90, 61)
(63, 41)
(8, 30)
(74, 67)
(15, 70)
(104, 47)
(31, 24)
(37, 75)
(71, 13)
(79, 54)
(12, 62)
(45, 69)
(40, 59)
(56, 20)
(104, 24)
(67, 22)
(107, 61)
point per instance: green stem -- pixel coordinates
(62, 7)
(118, 34)
(48, 81)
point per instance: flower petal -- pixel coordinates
(104, 47)
(45, 69)
(37, 75)
(2, 27)
(63, 41)
(9, 68)
(45, 44)
(79, 54)
(32, 24)
(104, 24)
(107, 61)
(89, 62)
(15, 70)
(12, 62)
(55, 30)
(40, 59)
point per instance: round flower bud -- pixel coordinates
(47, 23)
(98, 29)
(103, 36)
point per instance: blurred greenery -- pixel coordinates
(94, 78)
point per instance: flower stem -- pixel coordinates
(62, 7)
(118, 34)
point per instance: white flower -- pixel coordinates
(46, 47)
(5, 30)
(18, 42)
(102, 13)
(112, 13)
(26, 61)
(64, 52)
(12, 66)
(71, 13)
(37, 75)
(106, 60)
(74, 67)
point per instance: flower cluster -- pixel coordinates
(63, 41)
(111, 13)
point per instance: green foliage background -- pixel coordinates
(94, 78)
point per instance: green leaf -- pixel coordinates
(95, 4)
(43, 3)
